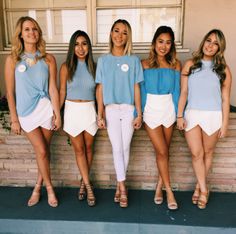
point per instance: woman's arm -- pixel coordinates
(225, 93)
(53, 91)
(101, 113)
(137, 101)
(63, 81)
(10, 92)
(181, 124)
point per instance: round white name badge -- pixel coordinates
(124, 67)
(22, 68)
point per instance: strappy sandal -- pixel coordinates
(203, 202)
(91, 200)
(196, 195)
(35, 196)
(158, 198)
(82, 191)
(172, 205)
(52, 200)
(123, 199)
(117, 194)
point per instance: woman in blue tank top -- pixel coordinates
(30, 75)
(160, 93)
(204, 107)
(77, 86)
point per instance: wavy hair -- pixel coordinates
(171, 56)
(128, 46)
(72, 60)
(18, 43)
(219, 63)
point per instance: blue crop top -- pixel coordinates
(204, 91)
(31, 84)
(82, 85)
(161, 81)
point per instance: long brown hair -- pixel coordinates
(18, 43)
(171, 56)
(219, 63)
(71, 59)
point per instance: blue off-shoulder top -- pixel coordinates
(161, 81)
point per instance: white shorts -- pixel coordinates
(79, 117)
(209, 121)
(40, 117)
(159, 110)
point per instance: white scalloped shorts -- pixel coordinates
(79, 117)
(40, 117)
(209, 121)
(159, 110)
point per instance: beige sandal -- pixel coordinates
(196, 195)
(158, 198)
(172, 205)
(203, 202)
(35, 196)
(52, 200)
(123, 199)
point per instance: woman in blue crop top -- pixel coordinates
(77, 86)
(205, 88)
(160, 93)
(30, 75)
(118, 75)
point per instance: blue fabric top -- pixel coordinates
(118, 75)
(82, 85)
(31, 84)
(161, 81)
(204, 90)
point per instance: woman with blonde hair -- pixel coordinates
(118, 76)
(160, 93)
(205, 91)
(77, 86)
(30, 76)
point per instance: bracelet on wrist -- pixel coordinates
(179, 117)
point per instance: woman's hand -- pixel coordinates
(222, 132)
(56, 122)
(181, 123)
(15, 127)
(137, 123)
(101, 123)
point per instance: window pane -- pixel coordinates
(144, 22)
(57, 25)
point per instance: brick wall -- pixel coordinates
(18, 165)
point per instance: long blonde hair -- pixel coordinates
(18, 43)
(128, 46)
(171, 56)
(219, 63)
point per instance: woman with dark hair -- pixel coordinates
(30, 75)
(77, 86)
(160, 93)
(118, 93)
(205, 88)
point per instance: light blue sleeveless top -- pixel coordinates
(31, 84)
(82, 85)
(161, 81)
(204, 91)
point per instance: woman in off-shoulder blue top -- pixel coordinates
(160, 93)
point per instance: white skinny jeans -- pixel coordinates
(119, 120)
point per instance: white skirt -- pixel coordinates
(159, 110)
(40, 117)
(79, 117)
(209, 121)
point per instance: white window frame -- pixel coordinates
(91, 11)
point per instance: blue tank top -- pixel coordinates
(204, 91)
(31, 84)
(82, 85)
